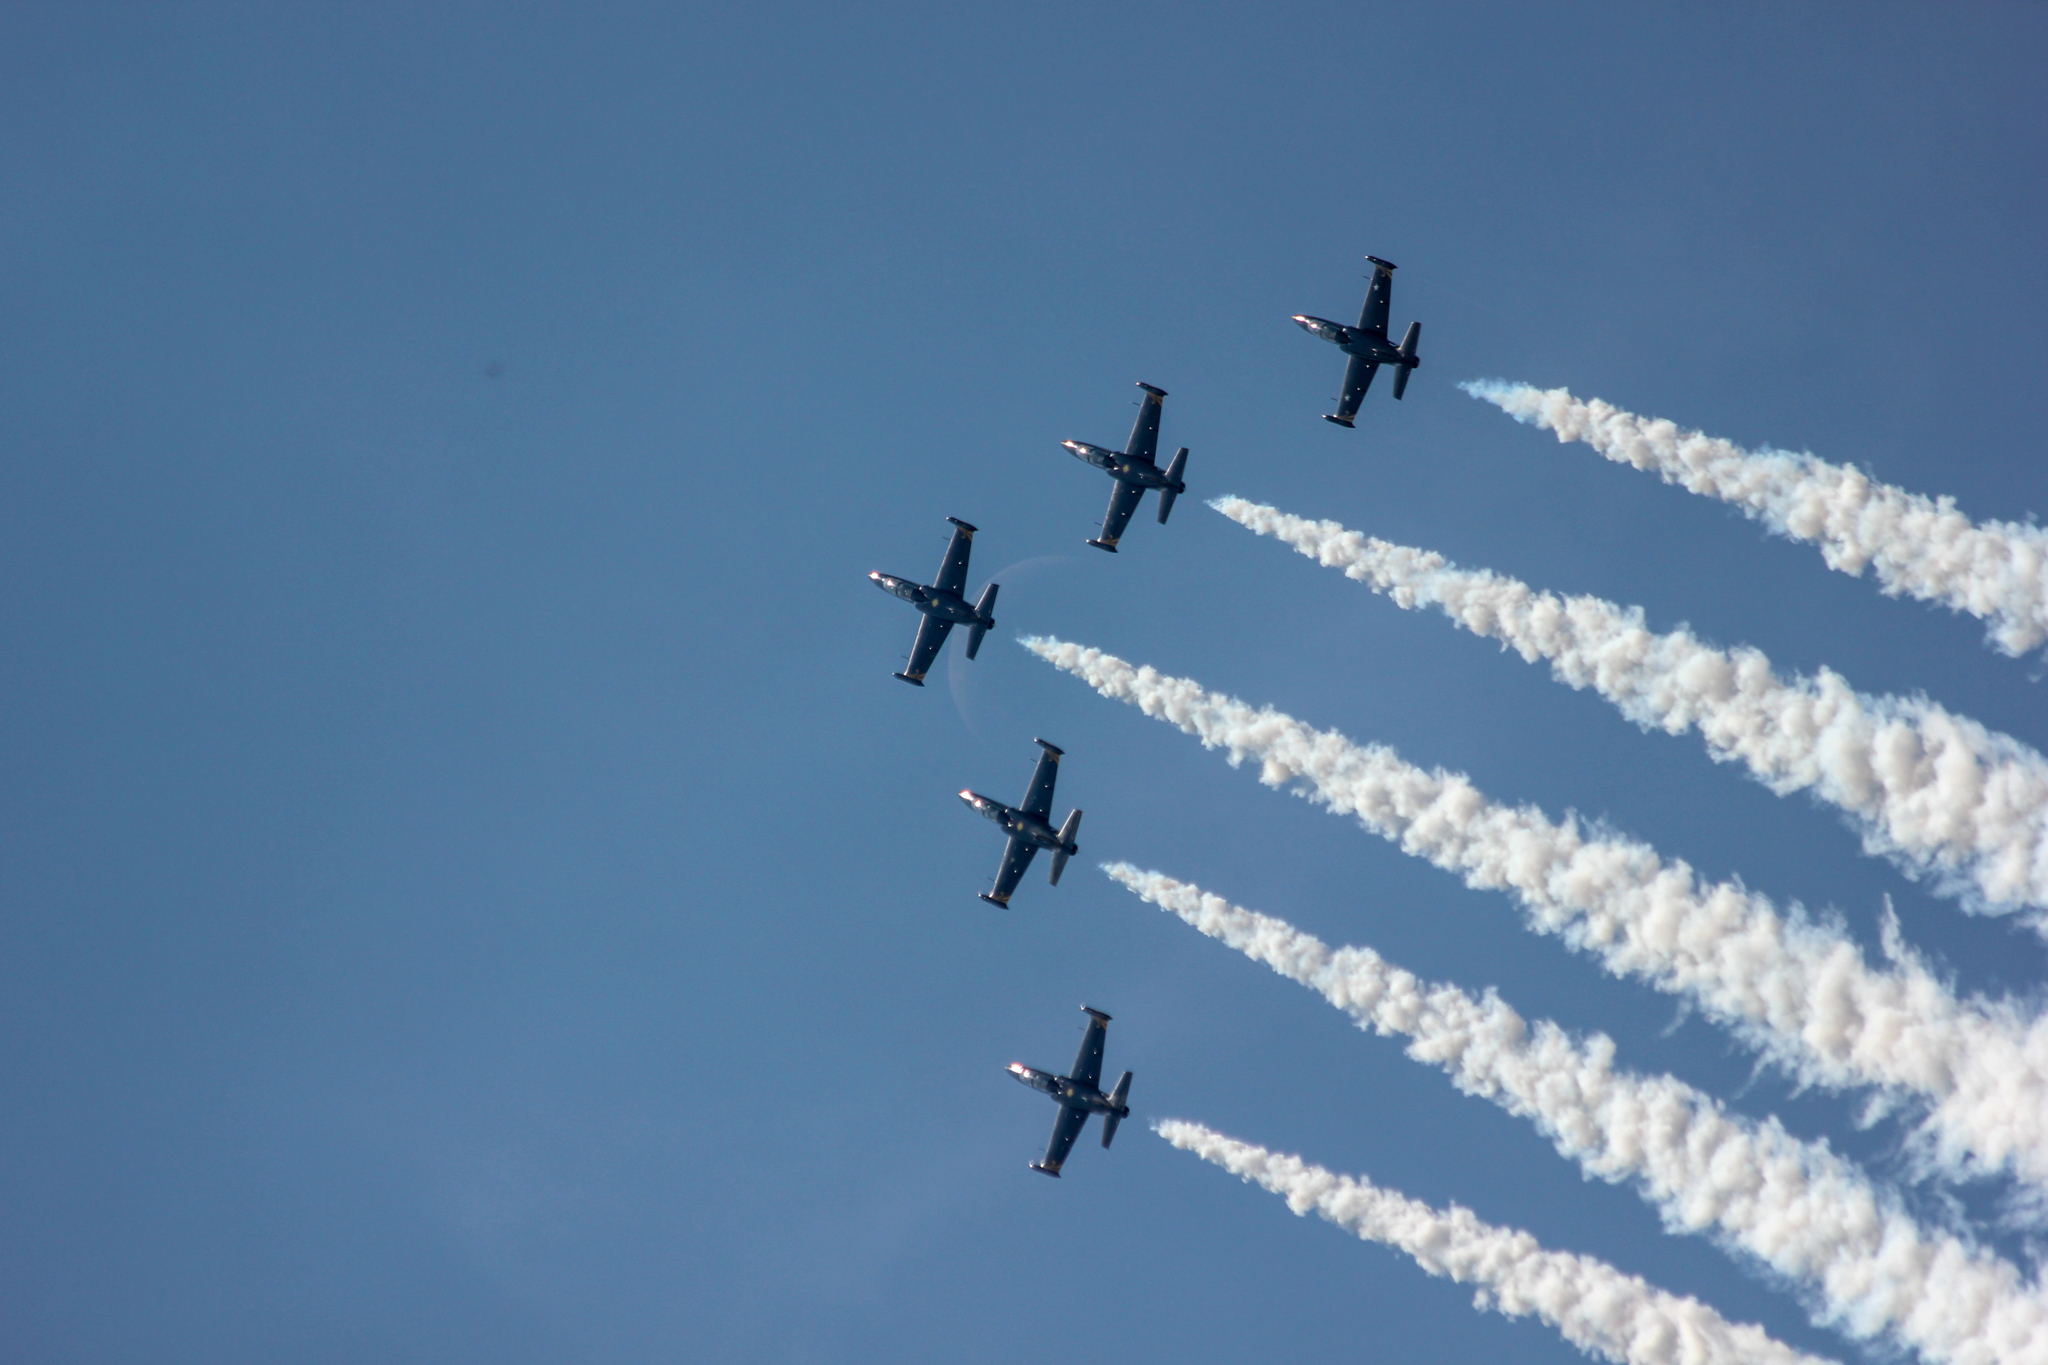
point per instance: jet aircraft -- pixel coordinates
(1030, 827)
(943, 605)
(1079, 1095)
(1135, 469)
(1367, 344)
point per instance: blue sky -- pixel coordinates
(472, 890)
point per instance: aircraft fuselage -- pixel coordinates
(1070, 1095)
(1015, 822)
(1353, 340)
(947, 606)
(1123, 468)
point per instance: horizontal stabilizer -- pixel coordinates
(1108, 545)
(1119, 1107)
(1067, 845)
(914, 682)
(1152, 389)
(1340, 421)
(1174, 485)
(985, 609)
(1004, 902)
(1044, 1169)
(1409, 360)
(970, 530)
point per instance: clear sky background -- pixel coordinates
(472, 889)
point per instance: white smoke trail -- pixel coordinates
(1935, 792)
(1596, 1307)
(1798, 992)
(1806, 1213)
(1921, 547)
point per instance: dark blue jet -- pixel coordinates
(1135, 469)
(1367, 344)
(942, 605)
(1030, 827)
(1079, 1095)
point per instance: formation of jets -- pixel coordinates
(942, 605)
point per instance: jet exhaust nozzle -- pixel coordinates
(1119, 1109)
(984, 610)
(1068, 848)
(1174, 486)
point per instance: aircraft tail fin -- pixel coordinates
(1409, 360)
(1119, 1100)
(1067, 845)
(985, 609)
(1173, 483)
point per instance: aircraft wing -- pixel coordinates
(931, 638)
(1016, 862)
(1144, 442)
(953, 571)
(1038, 798)
(1357, 379)
(1065, 1129)
(1088, 1065)
(1379, 299)
(1123, 501)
